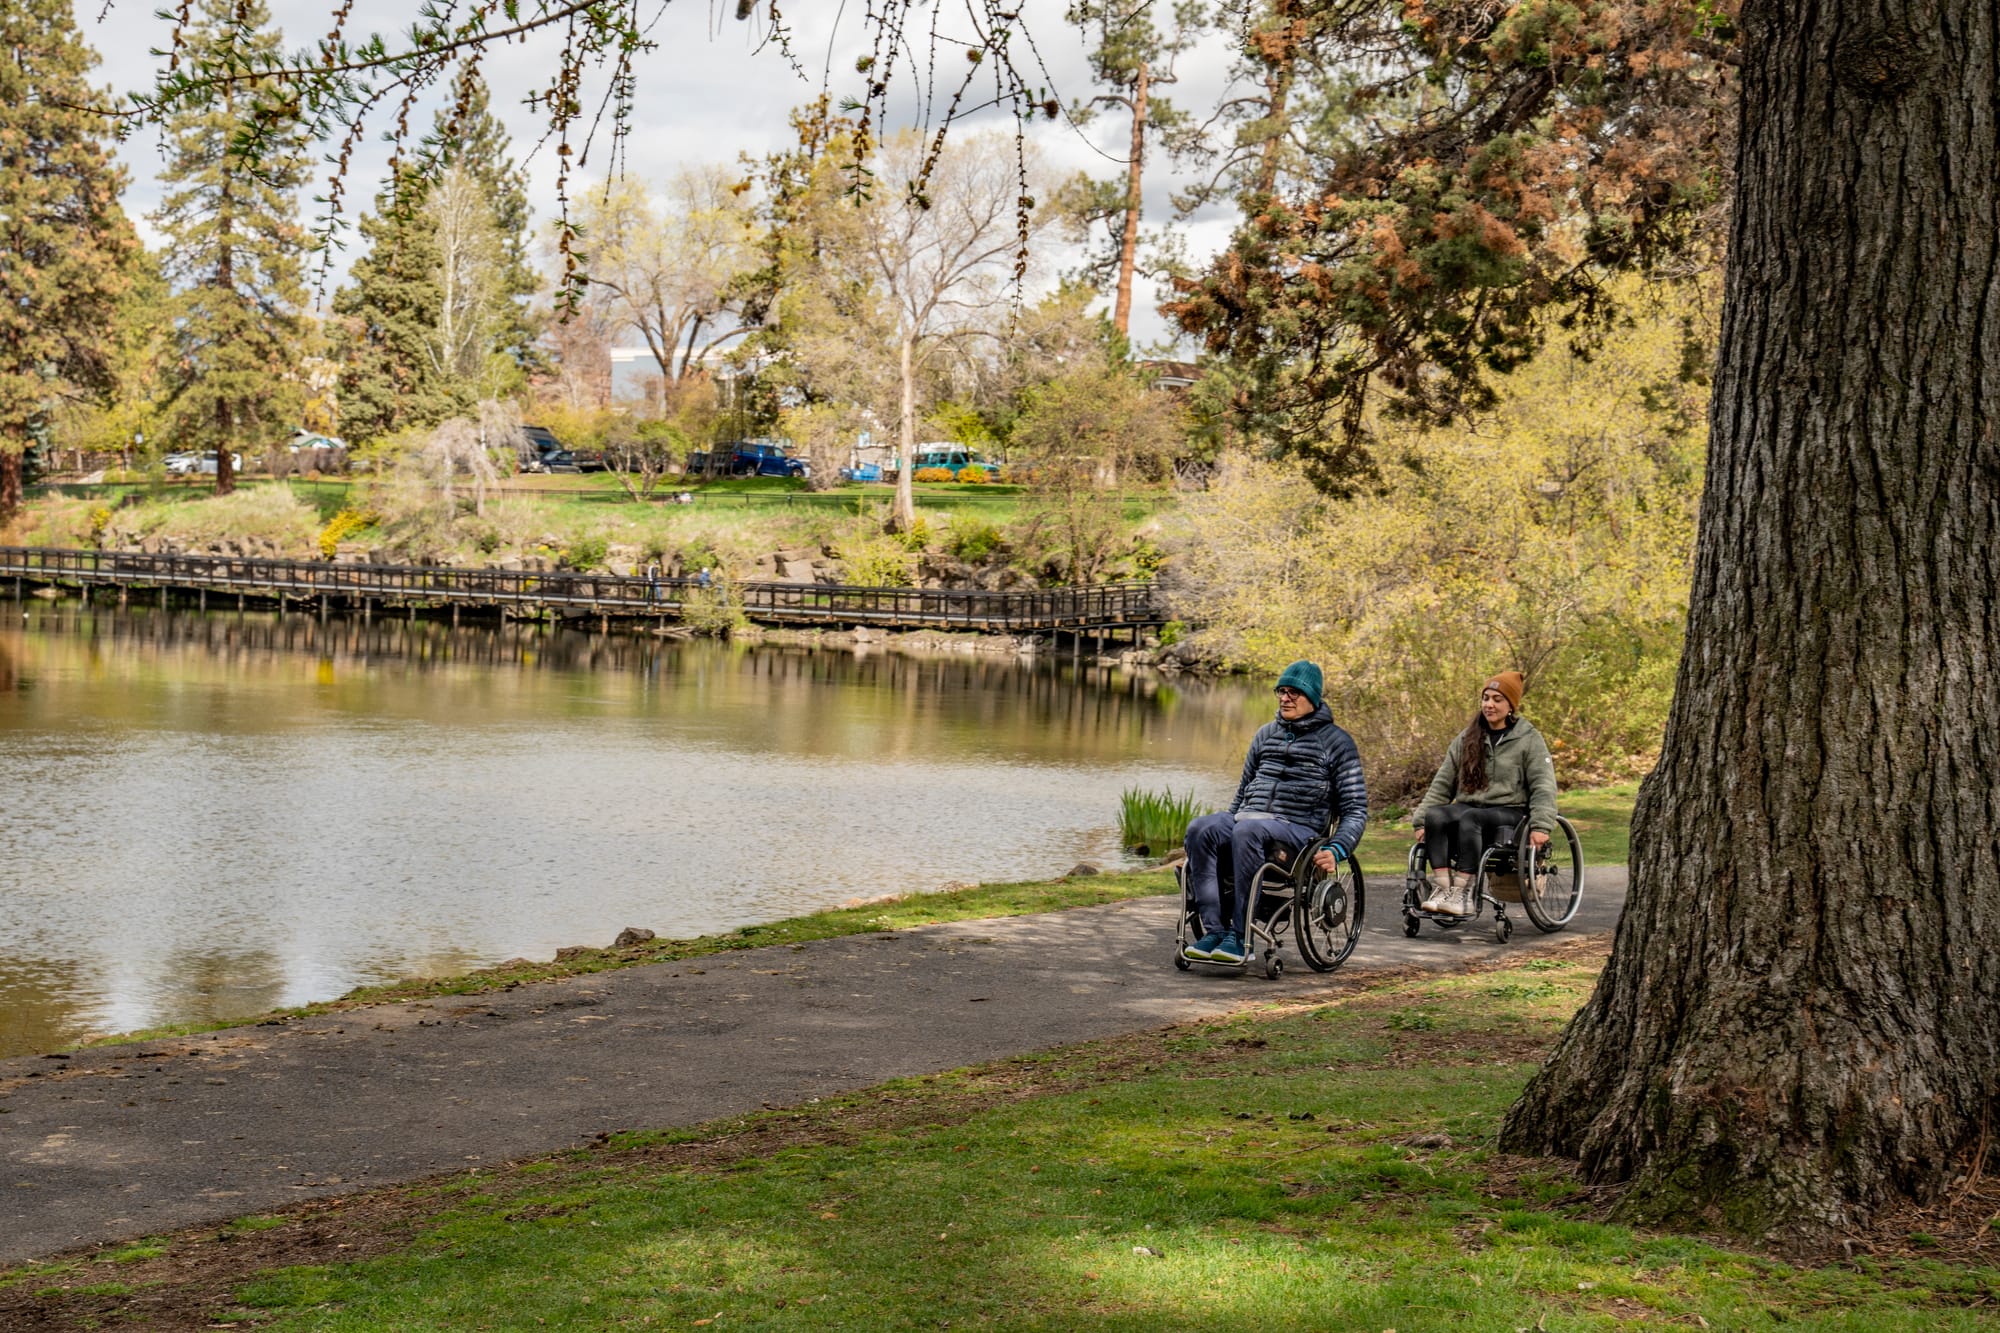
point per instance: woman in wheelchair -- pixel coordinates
(1496, 773)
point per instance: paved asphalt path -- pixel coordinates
(127, 1141)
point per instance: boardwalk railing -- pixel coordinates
(1100, 607)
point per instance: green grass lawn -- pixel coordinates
(1300, 1167)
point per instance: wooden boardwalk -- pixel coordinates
(1098, 610)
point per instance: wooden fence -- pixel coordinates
(1094, 609)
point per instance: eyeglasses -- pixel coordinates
(1287, 692)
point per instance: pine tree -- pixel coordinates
(64, 242)
(388, 313)
(234, 248)
(1133, 60)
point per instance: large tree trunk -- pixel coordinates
(1135, 197)
(1800, 1022)
(10, 484)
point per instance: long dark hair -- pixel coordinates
(1472, 753)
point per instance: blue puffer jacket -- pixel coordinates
(1306, 771)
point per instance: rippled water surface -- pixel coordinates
(212, 815)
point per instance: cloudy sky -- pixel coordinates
(707, 94)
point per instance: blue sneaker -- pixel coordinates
(1229, 951)
(1202, 949)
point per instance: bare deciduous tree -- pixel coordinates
(471, 276)
(668, 263)
(926, 274)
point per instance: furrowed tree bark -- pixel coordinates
(1800, 1022)
(10, 483)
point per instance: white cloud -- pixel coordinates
(708, 94)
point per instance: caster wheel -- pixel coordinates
(1411, 926)
(1273, 965)
(1182, 963)
(1504, 930)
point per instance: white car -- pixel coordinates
(203, 463)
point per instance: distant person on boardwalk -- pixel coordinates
(1302, 771)
(1496, 773)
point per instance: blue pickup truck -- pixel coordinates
(762, 458)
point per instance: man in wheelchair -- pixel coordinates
(1301, 771)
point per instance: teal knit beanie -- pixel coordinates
(1304, 677)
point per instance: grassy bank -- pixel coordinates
(1315, 1166)
(1602, 818)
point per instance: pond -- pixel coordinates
(209, 816)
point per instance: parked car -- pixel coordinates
(762, 458)
(862, 472)
(204, 463)
(561, 460)
(953, 458)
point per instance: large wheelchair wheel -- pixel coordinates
(1327, 915)
(1552, 882)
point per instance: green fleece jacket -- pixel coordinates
(1518, 772)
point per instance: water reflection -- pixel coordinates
(209, 815)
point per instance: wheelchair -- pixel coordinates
(1320, 910)
(1546, 882)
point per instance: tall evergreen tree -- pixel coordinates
(64, 241)
(388, 313)
(1133, 59)
(234, 246)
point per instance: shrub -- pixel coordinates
(875, 562)
(973, 474)
(970, 538)
(339, 528)
(917, 536)
(1149, 821)
(586, 553)
(931, 474)
(712, 611)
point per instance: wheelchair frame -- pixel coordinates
(1324, 931)
(1549, 911)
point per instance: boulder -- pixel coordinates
(1080, 869)
(796, 571)
(630, 936)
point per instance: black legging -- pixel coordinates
(1458, 835)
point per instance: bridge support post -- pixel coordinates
(368, 610)
(323, 600)
(239, 603)
(121, 595)
(454, 615)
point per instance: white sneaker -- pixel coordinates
(1441, 888)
